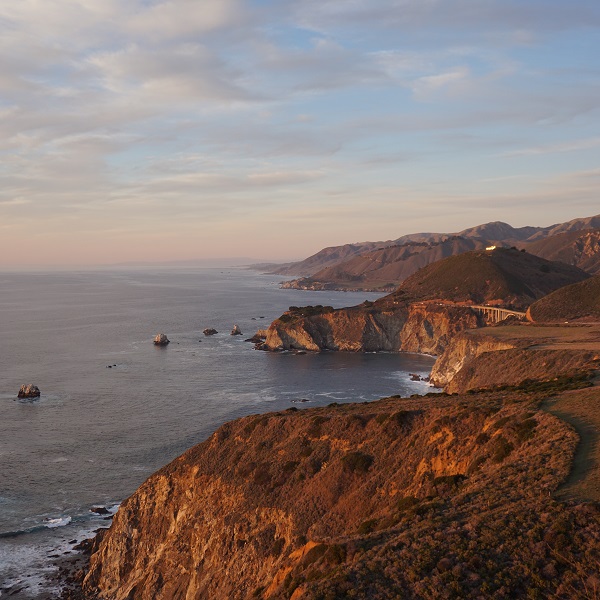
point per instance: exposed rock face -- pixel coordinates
(210, 331)
(579, 248)
(515, 366)
(28, 390)
(368, 501)
(419, 327)
(259, 337)
(236, 330)
(461, 350)
(161, 340)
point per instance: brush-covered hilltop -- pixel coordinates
(578, 302)
(382, 266)
(492, 491)
(441, 497)
(429, 308)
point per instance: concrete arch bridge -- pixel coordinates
(495, 315)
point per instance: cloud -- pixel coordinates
(146, 114)
(569, 146)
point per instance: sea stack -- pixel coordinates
(28, 390)
(161, 340)
(236, 330)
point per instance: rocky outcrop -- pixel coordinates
(210, 331)
(236, 330)
(161, 340)
(28, 390)
(424, 327)
(517, 366)
(462, 349)
(388, 499)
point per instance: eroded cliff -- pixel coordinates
(423, 327)
(396, 498)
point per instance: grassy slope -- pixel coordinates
(507, 276)
(578, 301)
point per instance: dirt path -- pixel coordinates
(581, 409)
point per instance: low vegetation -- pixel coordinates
(444, 496)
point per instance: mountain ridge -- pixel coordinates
(343, 267)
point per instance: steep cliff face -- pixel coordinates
(510, 355)
(418, 327)
(430, 326)
(514, 366)
(352, 329)
(397, 498)
(461, 350)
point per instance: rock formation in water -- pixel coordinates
(28, 390)
(424, 327)
(236, 330)
(210, 331)
(161, 340)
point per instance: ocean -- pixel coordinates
(114, 407)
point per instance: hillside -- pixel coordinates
(385, 268)
(437, 497)
(578, 302)
(428, 309)
(579, 248)
(504, 276)
(496, 232)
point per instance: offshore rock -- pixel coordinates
(236, 330)
(161, 340)
(210, 331)
(28, 390)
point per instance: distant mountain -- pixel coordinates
(500, 232)
(379, 265)
(504, 276)
(383, 269)
(579, 248)
(578, 302)
(574, 225)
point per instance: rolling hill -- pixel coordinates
(577, 302)
(504, 276)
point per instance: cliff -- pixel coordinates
(507, 355)
(424, 327)
(579, 248)
(462, 350)
(395, 498)
(428, 308)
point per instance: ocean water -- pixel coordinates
(97, 432)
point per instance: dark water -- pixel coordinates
(98, 432)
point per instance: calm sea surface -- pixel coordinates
(98, 432)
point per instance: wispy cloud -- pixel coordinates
(136, 116)
(569, 146)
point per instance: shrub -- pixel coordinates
(524, 430)
(314, 554)
(406, 502)
(501, 448)
(357, 462)
(278, 547)
(368, 526)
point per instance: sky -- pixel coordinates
(152, 130)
